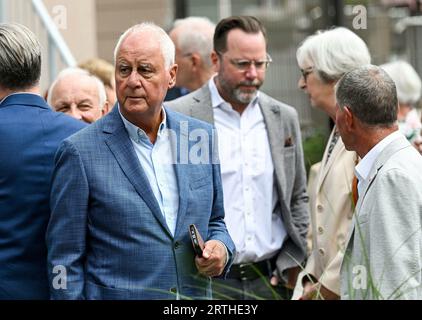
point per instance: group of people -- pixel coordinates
(102, 211)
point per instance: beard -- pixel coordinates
(244, 96)
(240, 95)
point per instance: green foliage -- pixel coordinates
(313, 149)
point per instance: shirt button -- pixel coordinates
(321, 251)
(320, 230)
(320, 208)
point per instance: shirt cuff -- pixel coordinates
(227, 253)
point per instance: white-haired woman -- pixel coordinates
(323, 59)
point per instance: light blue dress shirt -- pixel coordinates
(157, 165)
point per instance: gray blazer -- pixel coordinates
(383, 258)
(287, 155)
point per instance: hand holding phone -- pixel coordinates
(197, 241)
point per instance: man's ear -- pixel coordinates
(215, 61)
(173, 72)
(106, 108)
(349, 118)
(195, 59)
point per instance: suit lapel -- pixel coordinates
(121, 147)
(383, 157)
(272, 118)
(202, 109)
(325, 165)
(182, 174)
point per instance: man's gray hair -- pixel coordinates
(408, 82)
(333, 52)
(370, 94)
(20, 57)
(102, 97)
(196, 35)
(166, 44)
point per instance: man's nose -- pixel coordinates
(252, 72)
(134, 79)
(74, 112)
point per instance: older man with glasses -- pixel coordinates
(262, 164)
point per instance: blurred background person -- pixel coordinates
(30, 133)
(193, 38)
(79, 94)
(409, 87)
(323, 59)
(105, 72)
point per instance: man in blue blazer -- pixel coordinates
(30, 133)
(126, 190)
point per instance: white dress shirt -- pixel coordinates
(251, 205)
(364, 166)
(154, 159)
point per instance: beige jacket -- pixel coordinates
(331, 210)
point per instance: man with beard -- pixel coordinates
(262, 164)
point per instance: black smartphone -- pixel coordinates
(197, 241)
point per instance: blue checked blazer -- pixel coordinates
(106, 228)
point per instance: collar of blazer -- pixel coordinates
(27, 99)
(392, 148)
(383, 157)
(121, 147)
(113, 122)
(326, 165)
(275, 120)
(202, 109)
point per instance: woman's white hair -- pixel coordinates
(166, 44)
(333, 52)
(73, 71)
(408, 82)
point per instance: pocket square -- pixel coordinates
(288, 142)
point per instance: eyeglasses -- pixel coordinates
(244, 65)
(306, 72)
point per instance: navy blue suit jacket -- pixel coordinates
(30, 133)
(106, 226)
